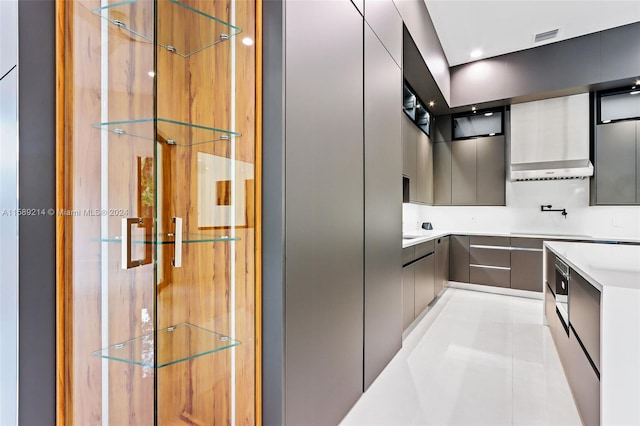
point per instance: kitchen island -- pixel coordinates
(613, 271)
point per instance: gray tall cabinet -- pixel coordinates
(382, 190)
(617, 163)
(331, 146)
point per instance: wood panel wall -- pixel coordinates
(195, 89)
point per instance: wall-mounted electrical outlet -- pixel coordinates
(615, 222)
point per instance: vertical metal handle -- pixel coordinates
(127, 262)
(177, 258)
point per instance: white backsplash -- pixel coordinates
(522, 213)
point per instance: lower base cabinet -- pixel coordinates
(408, 297)
(424, 283)
(583, 381)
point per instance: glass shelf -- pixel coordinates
(175, 344)
(170, 132)
(170, 239)
(173, 18)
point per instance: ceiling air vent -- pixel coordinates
(547, 35)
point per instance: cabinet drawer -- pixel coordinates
(490, 241)
(584, 315)
(490, 275)
(408, 255)
(531, 243)
(424, 249)
(490, 256)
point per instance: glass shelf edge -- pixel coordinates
(233, 30)
(186, 240)
(100, 353)
(227, 135)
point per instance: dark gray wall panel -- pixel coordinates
(479, 81)
(273, 215)
(620, 56)
(36, 65)
(562, 68)
(384, 19)
(418, 21)
(571, 63)
(324, 211)
(382, 207)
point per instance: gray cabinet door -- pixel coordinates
(583, 381)
(616, 158)
(526, 269)
(491, 171)
(408, 295)
(442, 264)
(459, 258)
(550, 309)
(424, 157)
(550, 270)
(324, 209)
(463, 172)
(382, 208)
(424, 282)
(584, 311)
(409, 155)
(442, 173)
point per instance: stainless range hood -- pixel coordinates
(550, 139)
(551, 170)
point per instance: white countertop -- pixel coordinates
(424, 236)
(603, 265)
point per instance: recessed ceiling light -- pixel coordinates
(606, 121)
(151, 73)
(488, 114)
(431, 103)
(635, 92)
(476, 53)
(247, 41)
(638, 82)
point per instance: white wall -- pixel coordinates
(522, 213)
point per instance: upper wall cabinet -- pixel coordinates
(417, 162)
(617, 148)
(468, 171)
(617, 163)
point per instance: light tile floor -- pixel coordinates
(474, 359)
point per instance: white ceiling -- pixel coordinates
(498, 27)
